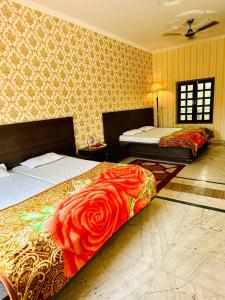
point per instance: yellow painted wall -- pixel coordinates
(52, 68)
(202, 60)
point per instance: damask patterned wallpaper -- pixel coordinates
(52, 68)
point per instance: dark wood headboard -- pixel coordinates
(115, 123)
(21, 141)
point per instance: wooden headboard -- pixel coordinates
(21, 141)
(115, 123)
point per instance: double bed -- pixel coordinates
(37, 255)
(25, 182)
(145, 144)
(151, 136)
(18, 187)
(26, 140)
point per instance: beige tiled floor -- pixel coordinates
(169, 251)
(209, 166)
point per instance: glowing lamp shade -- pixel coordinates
(156, 87)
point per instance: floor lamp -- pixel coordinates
(156, 87)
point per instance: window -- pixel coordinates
(195, 101)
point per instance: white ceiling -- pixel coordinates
(139, 22)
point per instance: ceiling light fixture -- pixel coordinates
(169, 2)
(192, 22)
(200, 16)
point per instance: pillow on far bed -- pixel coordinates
(3, 171)
(146, 128)
(41, 160)
(132, 132)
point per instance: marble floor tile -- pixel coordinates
(195, 199)
(204, 218)
(197, 190)
(157, 236)
(167, 286)
(209, 166)
(197, 253)
(211, 274)
(203, 269)
(200, 239)
(182, 261)
(196, 183)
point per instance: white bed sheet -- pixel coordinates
(18, 187)
(58, 171)
(148, 137)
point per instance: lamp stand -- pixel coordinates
(157, 109)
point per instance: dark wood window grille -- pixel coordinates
(195, 101)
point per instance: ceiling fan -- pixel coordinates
(190, 32)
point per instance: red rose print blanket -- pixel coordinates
(47, 239)
(192, 138)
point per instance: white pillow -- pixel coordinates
(146, 128)
(41, 160)
(3, 171)
(132, 132)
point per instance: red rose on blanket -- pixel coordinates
(140, 204)
(128, 179)
(85, 221)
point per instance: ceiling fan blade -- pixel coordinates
(213, 23)
(172, 34)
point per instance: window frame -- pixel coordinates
(195, 83)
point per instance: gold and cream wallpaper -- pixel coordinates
(202, 60)
(51, 68)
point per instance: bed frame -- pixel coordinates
(22, 141)
(115, 123)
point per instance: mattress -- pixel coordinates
(58, 171)
(148, 137)
(18, 187)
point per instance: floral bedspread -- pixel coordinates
(47, 239)
(192, 138)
